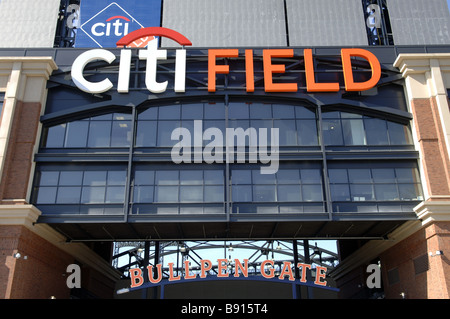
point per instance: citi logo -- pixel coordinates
(120, 27)
(111, 24)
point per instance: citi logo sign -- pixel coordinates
(111, 24)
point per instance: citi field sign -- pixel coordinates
(152, 54)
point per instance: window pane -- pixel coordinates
(191, 193)
(353, 131)
(115, 194)
(241, 176)
(310, 176)
(383, 175)
(76, 135)
(287, 131)
(49, 178)
(93, 195)
(146, 133)
(259, 178)
(359, 175)
(68, 195)
(121, 134)
(242, 193)
(170, 112)
(362, 192)
(307, 132)
(192, 111)
(398, 134)
(260, 111)
(410, 192)
(55, 136)
(165, 129)
(337, 175)
(149, 114)
(283, 111)
(144, 177)
(166, 178)
(376, 132)
(46, 195)
(214, 194)
(407, 175)
(143, 194)
(99, 134)
(386, 192)
(288, 176)
(340, 192)
(191, 177)
(312, 193)
(332, 134)
(289, 193)
(117, 177)
(214, 111)
(238, 111)
(264, 193)
(213, 177)
(70, 178)
(166, 194)
(94, 178)
(304, 113)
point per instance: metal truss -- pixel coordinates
(142, 254)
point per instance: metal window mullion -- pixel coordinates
(326, 183)
(128, 182)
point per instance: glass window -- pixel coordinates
(191, 177)
(213, 177)
(46, 195)
(340, 192)
(70, 178)
(307, 133)
(115, 194)
(310, 176)
(383, 175)
(332, 133)
(359, 175)
(191, 193)
(116, 177)
(49, 178)
(214, 194)
(353, 132)
(143, 194)
(93, 195)
(166, 194)
(362, 192)
(386, 192)
(214, 111)
(289, 193)
(242, 193)
(170, 112)
(281, 111)
(99, 134)
(287, 131)
(166, 178)
(241, 177)
(192, 111)
(304, 113)
(337, 175)
(288, 176)
(264, 193)
(68, 195)
(165, 129)
(376, 131)
(238, 111)
(144, 177)
(399, 134)
(146, 133)
(55, 136)
(94, 178)
(312, 193)
(260, 111)
(76, 134)
(121, 134)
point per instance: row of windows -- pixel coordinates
(208, 186)
(297, 126)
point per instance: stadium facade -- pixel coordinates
(189, 123)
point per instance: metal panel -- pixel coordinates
(326, 23)
(28, 23)
(418, 22)
(218, 23)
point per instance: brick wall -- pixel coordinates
(417, 274)
(41, 275)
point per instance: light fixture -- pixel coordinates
(231, 247)
(17, 255)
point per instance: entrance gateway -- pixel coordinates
(335, 166)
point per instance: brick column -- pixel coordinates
(39, 269)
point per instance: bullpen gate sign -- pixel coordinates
(103, 23)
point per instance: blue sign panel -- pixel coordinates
(104, 22)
